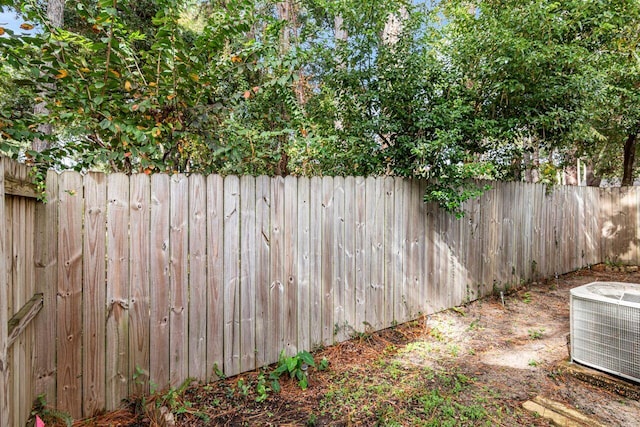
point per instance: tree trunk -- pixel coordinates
(532, 165)
(340, 36)
(393, 26)
(592, 179)
(55, 18)
(629, 159)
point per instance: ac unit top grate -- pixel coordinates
(611, 292)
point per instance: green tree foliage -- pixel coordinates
(560, 77)
(457, 92)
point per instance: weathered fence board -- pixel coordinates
(159, 275)
(215, 278)
(247, 272)
(327, 325)
(338, 255)
(117, 326)
(147, 281)
(232, 275)
(69, 301)
(262, 265)
(6, 414)
(139, 217)
(197, 294)
(290, 273)
(94, 293)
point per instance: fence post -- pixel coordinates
(4, 367)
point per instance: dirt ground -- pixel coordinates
(473, 365)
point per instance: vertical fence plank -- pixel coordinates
(5, 419)
(412, 220)
(361, 253)
(215, 268)
(276, 287)
(315, 262)
(197, 277)
(69, 306)
(263, 244)
(327, 261)
(303, 263)
(338, 255)
(19, 258)
(46, 283)
(349, 258)
(418, 281)
(388, 254)
(13, 382)
(117, 327)
(247, 273)
(290, 269)
(397, 248)
(139, 328)
(178, 279)
(374, 313)
(94, 293)
(30, 290)
(159, 291)
(231, 275)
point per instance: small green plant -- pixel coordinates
(536, 334)
(218, 373)
(533, 363)
(454, 350)
(138, 375)
(243, 387)
(324, 364)
(296, 366)
(262, 389)
(312, 420)
(475, 324)
(526, 297)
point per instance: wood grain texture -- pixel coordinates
(262, 238)
(94, 293)
(400, 313)
(349, 268)
(46, 244)
(178, 279)
(232, 275)
(139, 283)
(276, 270)
(247, 273)
(361, 253)
(315, 262)
(290, 326)
(5, 415)
(215, 276)
(338, 255)
(328, 227)
(69, 304)
(303, 264)
(197, 229)
(159, 274)
(388, 253)
(117, 316)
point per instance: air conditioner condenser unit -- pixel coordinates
(605, 327)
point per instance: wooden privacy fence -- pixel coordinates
(149, 280)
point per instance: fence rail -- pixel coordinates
(149, 280)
